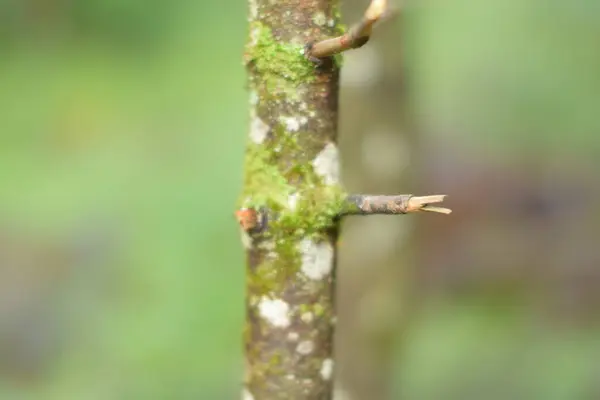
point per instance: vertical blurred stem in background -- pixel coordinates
(376, 254)
(291, 168)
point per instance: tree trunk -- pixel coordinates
(290, 201)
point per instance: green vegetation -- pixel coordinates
(277, 61)
(128, 117)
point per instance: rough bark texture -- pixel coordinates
(291, 169)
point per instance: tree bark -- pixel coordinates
(291, 169)
(292, 199)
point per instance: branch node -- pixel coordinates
(308, 54)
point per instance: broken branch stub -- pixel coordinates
(252, 220)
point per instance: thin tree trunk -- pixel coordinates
(291, 169)
(292, 200)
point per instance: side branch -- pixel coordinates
(252, 220)
(355, 37)
(366, 204)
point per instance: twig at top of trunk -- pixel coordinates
(357, 36)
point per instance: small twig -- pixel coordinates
(366, 204)
(252, 220)
(355, 37)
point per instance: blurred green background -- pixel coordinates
(122, 131)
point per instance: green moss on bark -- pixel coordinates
(298, 211)
(281, 179)
(314, 212)
(281, 65)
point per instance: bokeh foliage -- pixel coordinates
(122, 139)
(122, 128)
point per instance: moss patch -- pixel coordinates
(313, 216)
(265, 185)
(274, 60)
(280, 168)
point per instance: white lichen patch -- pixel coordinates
(275, 311)
(268, 245)
(293, 201)
(246, 239)
(326, 164)
(254, 35)
(319, 18)
(293, 124)
(258, 130)
(253, 301)
(327, 369)
(307, 317)
(293, 336)
(253, 98)
(305, 347)
(246, 395)
(317, 258)
(253, 9)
